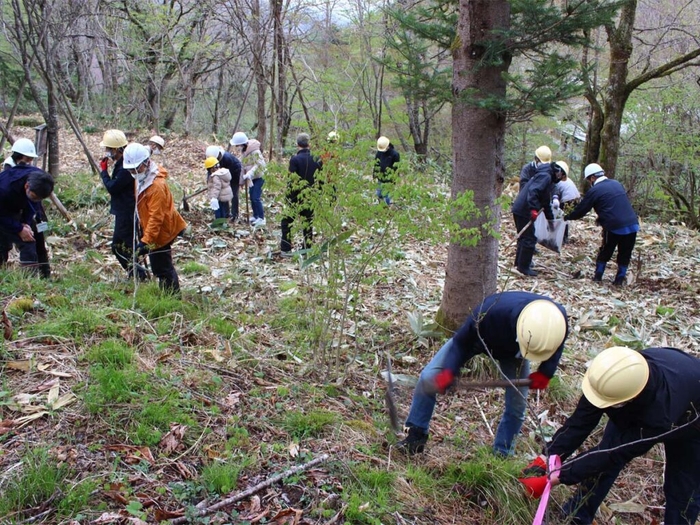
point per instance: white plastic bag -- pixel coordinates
(552, 239)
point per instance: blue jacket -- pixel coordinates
(495, 321)
(121, 188)
(231, 163)
(15, 207)
(671, 398)
(536, 194)
(526, 173)
(610, 201)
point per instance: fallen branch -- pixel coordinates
(252, 490)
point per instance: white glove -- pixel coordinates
(214, 204)
(247, 176)
(555, 204)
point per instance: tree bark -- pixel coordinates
(478, 147)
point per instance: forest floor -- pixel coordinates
(144, 409)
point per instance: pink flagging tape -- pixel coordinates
(554, 464)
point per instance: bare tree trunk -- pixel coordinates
(478, 147)
(259, 71)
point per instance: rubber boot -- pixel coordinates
(517, 255)
(620, 277)
(599, 270)
(525, 262)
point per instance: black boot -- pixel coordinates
(414, 442)
(525, 262)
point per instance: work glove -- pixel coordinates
(533, 215)
(214, 204)
(104, 164)
(538, 381)
(142, 249)
(247, 176)
(555, 204)
(443, 380)
(534, 487)
(537, 467)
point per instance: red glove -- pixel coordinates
(536, 467)
(538, 381)
(104, 164)
(533, 215)
(534, 487)
(443, 380)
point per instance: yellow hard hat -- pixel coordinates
(564, 166)
(541, 329)
(382, 143)
(113, 138)
(616, 375)
(210, 162)
(543, 153)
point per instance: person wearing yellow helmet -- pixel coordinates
(511, 327)
(542, 154)
(385, 166)
(649, 397)
(218, 188)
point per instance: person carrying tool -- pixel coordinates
(617, 217)
(120, 186)
(649, 397)
(159, 220)
(233, 165)
(22, 219)
(253, 173)
(535, 196)
(511, 327)
(219, 188)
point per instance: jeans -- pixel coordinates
(255, 198)
(234, 202)
(423, 403)
(383, 194)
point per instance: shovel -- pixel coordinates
(185, 204)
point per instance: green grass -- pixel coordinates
(300, 425)
(112, 353)
(37, 480)
(221, 477)
(369, 495)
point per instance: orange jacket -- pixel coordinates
(160, 222)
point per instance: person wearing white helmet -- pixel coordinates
(233, 165)
(156, 144)
(511, 327)
(253, 173)
(649, 397)
(385, 166)
(616, 216)
(22, 220)
(120, 186)
(160, 222)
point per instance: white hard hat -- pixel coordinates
(134, 155)
(239, 138)
(592, 169)
(382, 143)
(156, 139)
(564, 166)
(213, 151)
(24, 147)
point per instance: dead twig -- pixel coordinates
(252, 490)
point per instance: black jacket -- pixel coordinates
(536, 194)
(384, 164)
(305, 166)
(121, 188)
(15, 207)
(526, 173)
(670, 398)
(231, 163)
(610, 201)
(495, 321)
